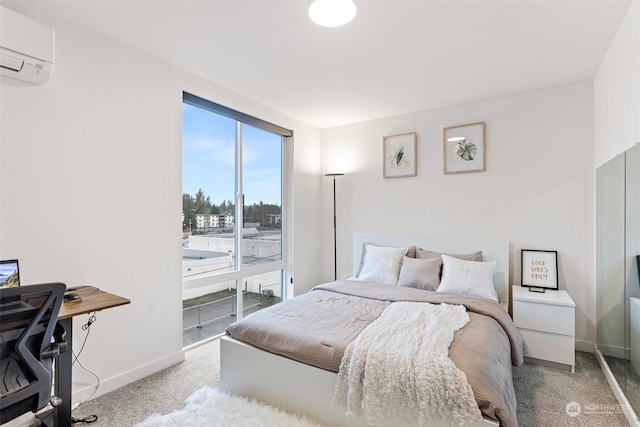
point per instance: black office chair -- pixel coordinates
(28, 323)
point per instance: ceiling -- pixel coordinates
(395, 57)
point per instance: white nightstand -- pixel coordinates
(547, 323)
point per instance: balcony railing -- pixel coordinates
(208, 316)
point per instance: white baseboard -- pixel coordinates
(614, 351)
(83, 391)
(585, 346)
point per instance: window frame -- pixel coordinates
(243, 270)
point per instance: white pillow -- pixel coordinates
(471, 278)
(381, 264)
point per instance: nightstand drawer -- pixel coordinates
(555, 348)
(557, 319)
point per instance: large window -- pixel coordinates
(234, 225)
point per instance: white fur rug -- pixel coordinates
(210, 407)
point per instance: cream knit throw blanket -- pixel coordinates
(398, 368)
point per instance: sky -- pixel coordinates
(208, 158)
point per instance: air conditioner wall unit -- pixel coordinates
(26, 48)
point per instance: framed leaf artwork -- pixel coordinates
(399, 155)
(464, 148)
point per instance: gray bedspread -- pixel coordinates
(316, 327)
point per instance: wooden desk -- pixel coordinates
(93, 299)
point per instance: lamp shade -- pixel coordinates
(332, 13)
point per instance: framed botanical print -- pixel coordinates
(399, 155)
(464, 148)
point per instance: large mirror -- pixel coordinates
(617, 276)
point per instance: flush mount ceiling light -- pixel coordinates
(332, 13)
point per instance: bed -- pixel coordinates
(486, 347)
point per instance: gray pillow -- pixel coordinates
(424, 254)
(411, 252)
(420, 273)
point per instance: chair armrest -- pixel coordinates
(54, 350)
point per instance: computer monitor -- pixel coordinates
(9, 273)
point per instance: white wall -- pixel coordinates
(617, 91)
(84, 158)
(537, 189)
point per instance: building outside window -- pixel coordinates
(234, 216)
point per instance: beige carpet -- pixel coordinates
(161, 392)
(543, 393)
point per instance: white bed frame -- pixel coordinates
(303, 389)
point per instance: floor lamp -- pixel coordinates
(335, 241)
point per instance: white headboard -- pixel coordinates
(493, 249)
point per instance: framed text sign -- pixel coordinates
(539, 269)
